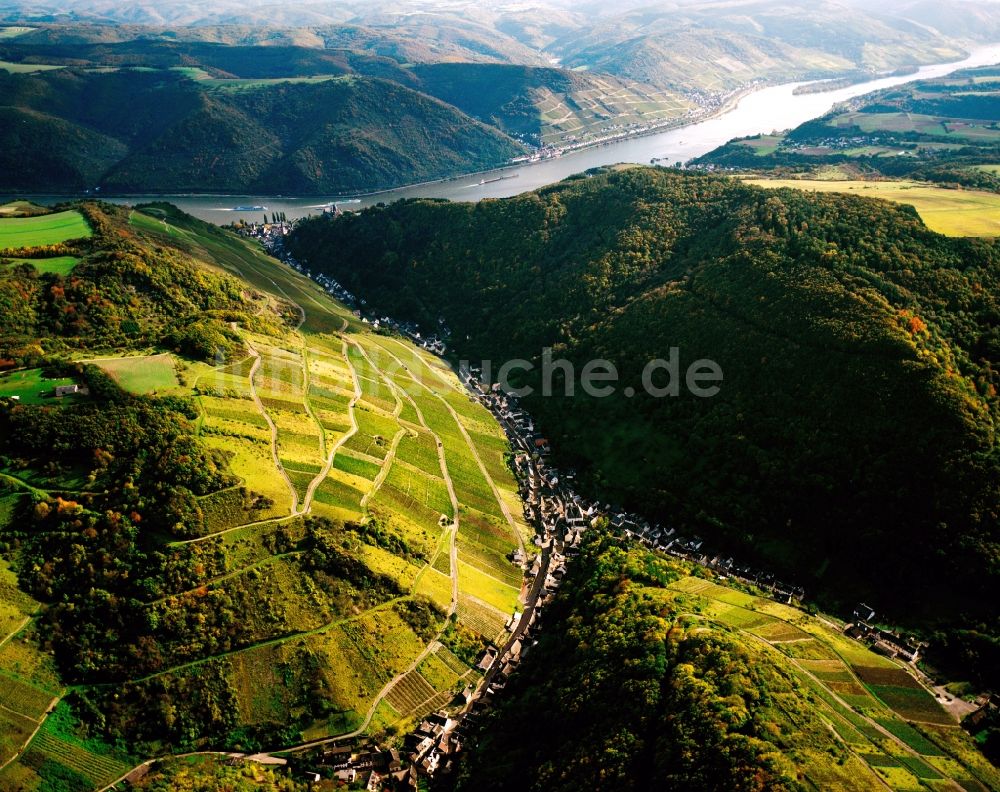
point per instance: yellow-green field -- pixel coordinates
(321, 418)
(58, 265)
(21, 209)
(950, 212)
(13, 31)
(141, 373)
(51, 229)
(27, 68)
(331, 420)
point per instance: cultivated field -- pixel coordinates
(947, 211)
(323, 419)
(602, 106)
(27, 68)
(21, 232)
(141, 374)
(892, 725)
(364, 429)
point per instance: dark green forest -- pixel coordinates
(69, 130)
(852, 447)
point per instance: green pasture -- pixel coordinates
(51, 229)
(31, 387)
(27, 68)
(59, 265)
(145, 374)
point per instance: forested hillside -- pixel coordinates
(722, 46)
(230, 108)
(852, 446)
(70, 130)
(118, 294)
(647, 676)
(689, 47)
(547, 106)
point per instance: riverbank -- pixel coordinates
(750, 112)
(729, 103)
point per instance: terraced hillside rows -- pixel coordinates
(723, 685)
(361, 559)
(878, 709)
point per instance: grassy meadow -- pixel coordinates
(50, 229)
(141, 374)
(58, 265)
(951, 212)
(31, 386)
(13, 31)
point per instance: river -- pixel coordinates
(762, 111)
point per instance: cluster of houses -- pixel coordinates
(433, 343)
(885, 642)
(363, 766)
(271, 235)
(819, 147)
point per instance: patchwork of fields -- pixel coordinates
(21, 228)
(602, 106)
(897, 733)
(325, 420)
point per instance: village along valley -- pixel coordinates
(552, 505)
(560, 515)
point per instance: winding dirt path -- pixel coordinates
(274, 429)
(383, 472)
(431, 647)
(443, 464)
(31, 736)
(321, 476)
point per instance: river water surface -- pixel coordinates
(763, 111)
